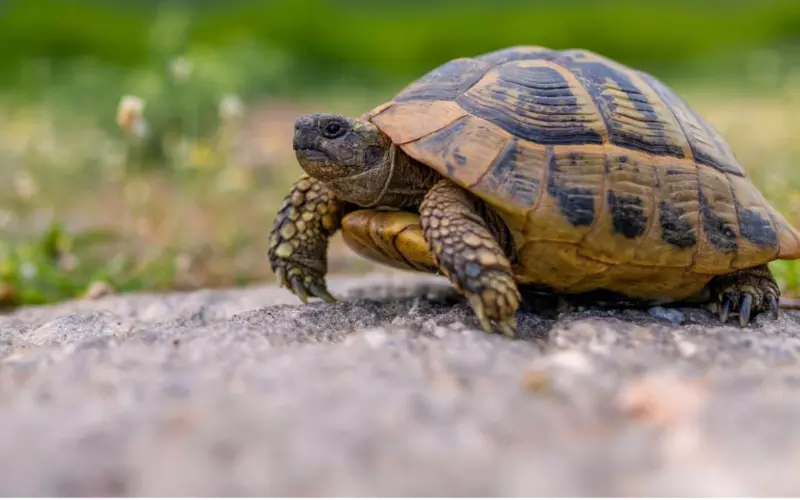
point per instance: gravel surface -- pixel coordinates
(393, 391)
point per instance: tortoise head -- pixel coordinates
(351, 156)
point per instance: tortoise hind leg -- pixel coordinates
(469, 254)
(746, 292)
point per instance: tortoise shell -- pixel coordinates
(606, 178)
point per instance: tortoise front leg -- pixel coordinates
(309, 216)
(470, 256)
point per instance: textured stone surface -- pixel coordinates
(394, 391)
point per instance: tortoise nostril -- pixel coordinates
(302, 123)
(298, 128)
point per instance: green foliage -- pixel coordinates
(191, 95)
(58, 265)
(319, 42)
(401, 39)
(787, 273)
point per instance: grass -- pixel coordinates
(358, 39)
(191, 203)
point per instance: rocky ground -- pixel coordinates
(394, 391)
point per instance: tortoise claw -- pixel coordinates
(477, 305)
(745, 308)
(321, 292)
(508, 327)
(773, 305)
(299, 289)
(280, 274)
(303, 282)
(725, 308)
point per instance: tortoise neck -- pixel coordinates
(409, 181)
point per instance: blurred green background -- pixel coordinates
(183, 196)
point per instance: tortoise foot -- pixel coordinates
(494, 297)
(746, 293)
(302, 281)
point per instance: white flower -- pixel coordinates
(99, 289)
(129, 115)
(230, 107)
(28, 270)
(24, 185)
(181, 69)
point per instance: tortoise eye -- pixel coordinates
(333, 130)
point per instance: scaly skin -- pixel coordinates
(746, 292)
(309, 216)
(470, 256)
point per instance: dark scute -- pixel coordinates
(522, 190)
(443, 142)
(627, 214)
(459, 157)
(537, 78)
(576, 204)
(675, 228)
(574, 157)
(543, 95)
(593, 76)
(755, 228)
(506, 162)
(446, 82)
(513, 54)
(717, 229)
(673, 101)
(715, 163)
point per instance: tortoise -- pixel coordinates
(527, 165)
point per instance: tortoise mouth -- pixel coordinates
(313, 155)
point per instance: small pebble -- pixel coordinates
(98, 290)
(686, 348)
(671, 315)
(572, 360)
(375, 338)
(439, 332)
(663, 399)
(535, 381)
